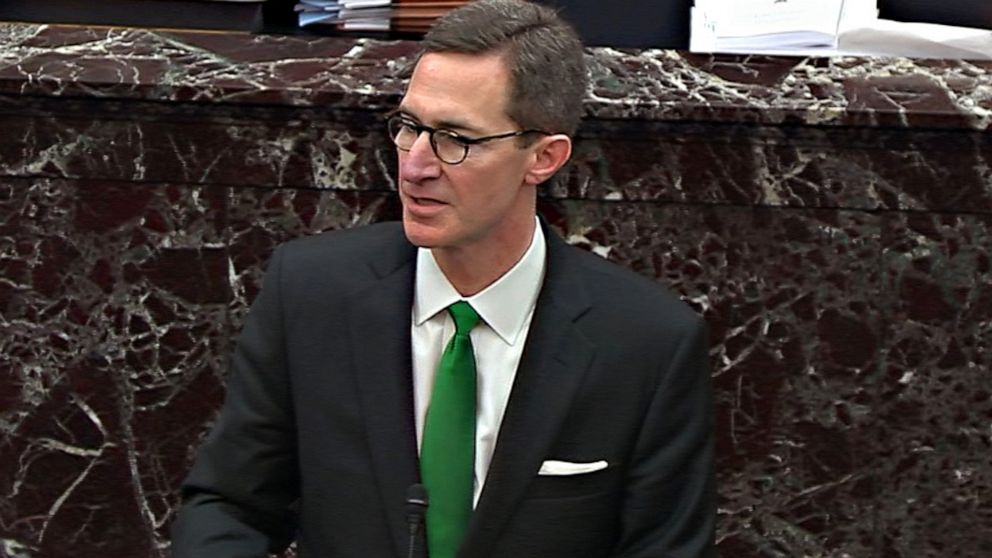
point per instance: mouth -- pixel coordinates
(424, 200)
(423, 207)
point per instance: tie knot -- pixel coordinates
(465, 317)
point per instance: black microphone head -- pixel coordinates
(416, 498)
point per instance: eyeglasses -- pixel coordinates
(450, 147)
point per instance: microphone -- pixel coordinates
(416, 509)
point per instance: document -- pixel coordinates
(826, 28)
(749, 25)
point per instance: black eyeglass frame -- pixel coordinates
(465, 141)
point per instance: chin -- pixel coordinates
(420, 235)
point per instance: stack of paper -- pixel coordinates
(363, 15)
(775, 26)
(374, 15)
(826, 28)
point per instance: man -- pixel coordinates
(587, 427)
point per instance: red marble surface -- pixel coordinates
(348, 73)
(831, 219)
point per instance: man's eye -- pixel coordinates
(443, 135)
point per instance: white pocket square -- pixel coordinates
(563, 468)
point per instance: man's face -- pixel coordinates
(484, 202)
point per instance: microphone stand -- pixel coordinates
(416, 510)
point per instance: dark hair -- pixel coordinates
(542, 52)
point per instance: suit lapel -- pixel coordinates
(380, 339)
(553, 364)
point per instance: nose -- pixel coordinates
(419, 163)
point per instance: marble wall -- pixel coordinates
(831, 219)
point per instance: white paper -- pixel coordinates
(860, 34)
(774, 25)
(368, 24)
(353, 4)
(745, 18)
(917, 40)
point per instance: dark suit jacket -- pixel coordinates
(316, 440)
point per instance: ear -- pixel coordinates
(550, 153)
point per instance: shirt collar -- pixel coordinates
(503, 305)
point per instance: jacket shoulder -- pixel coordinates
(632, 296)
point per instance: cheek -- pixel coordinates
(485, 190)
(485, 193)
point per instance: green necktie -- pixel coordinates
(447, 451)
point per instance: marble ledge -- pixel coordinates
(237, 69)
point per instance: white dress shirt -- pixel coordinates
(506, 308)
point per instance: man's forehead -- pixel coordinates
(457, 91)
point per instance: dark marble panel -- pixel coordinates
(183, 144)
(116, 356)
(790, 298)
(113, 301)
(783, 166)
(119, 304)
(934, 436)
(636, 161)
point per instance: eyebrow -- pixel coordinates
(452, 125)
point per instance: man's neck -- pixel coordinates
(470, 269)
